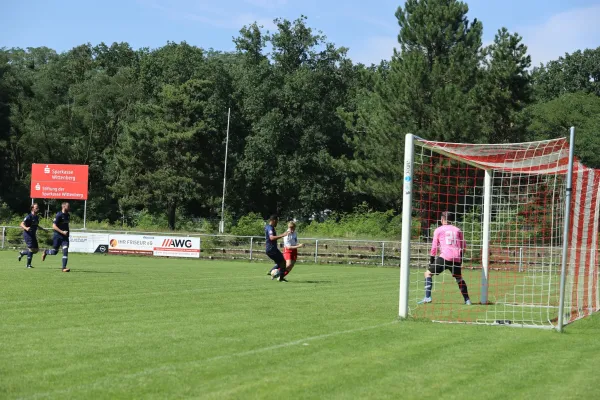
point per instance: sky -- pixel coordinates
(550, 28)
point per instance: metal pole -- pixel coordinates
(565, 246)
(3, 235)
(251, 246)
(382, 253)
(485, 249)
(520, 259)
(222, 225)
(84, 213)
(316, 250)
(406, 225)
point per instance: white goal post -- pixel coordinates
(529, 214)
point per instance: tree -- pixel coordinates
(505, 89)
(429, 90)
(291, 105)
(103, 104)
(554, 118)
(6, 95)
(158, 156)
(372, 161)
(22, 71)
(572, 73)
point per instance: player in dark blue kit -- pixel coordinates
(271, 248)
(30, 225)
(61, 236)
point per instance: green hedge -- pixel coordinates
(363, 223)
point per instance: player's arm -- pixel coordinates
(23, 226)
(57, 229)
(296, 246)
(434, 246)
(272, 237)
(462, 243)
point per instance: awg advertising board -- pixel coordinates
(159, 246)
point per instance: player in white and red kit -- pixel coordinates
(291, 246)
(450, 242)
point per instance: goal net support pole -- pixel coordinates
(566, 232)
(485, 248)
(406, 224)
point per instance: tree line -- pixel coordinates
(310, 130)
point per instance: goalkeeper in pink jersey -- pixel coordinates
(450, 242)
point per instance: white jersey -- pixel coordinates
(290, 240)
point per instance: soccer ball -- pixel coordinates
(274, 273)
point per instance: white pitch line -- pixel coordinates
(110, 379)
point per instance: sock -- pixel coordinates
(29, 257)
(51, 252)
(65, 258)
(428, 286)
(286, 273)
(462, 285)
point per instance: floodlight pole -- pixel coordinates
(406, 225)
(222, 224)
(565, 246)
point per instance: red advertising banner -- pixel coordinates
(59, 181)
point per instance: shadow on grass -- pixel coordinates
(311, 282)
(76, 271)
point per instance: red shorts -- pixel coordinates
(290, 254)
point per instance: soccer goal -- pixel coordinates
(529, 216)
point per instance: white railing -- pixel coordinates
(251, 248)
(320, 250)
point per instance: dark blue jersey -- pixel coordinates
(32, 222)
(270, 245)
(62, 221)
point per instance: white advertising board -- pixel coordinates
(83, 242)
(160, 246)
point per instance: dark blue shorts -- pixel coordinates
(441, 265)
(31, 242)
(276, 256)
(59, 241)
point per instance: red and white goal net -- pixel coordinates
(509, 200)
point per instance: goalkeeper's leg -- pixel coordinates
(462, 285)
(432, 270)
(428, 284)
(428, 287)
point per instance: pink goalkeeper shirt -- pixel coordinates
(451, 242)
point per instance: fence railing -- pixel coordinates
(251, 248)
(325, 250)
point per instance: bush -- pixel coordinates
(249, 225)
(362, 223)
(5, 213)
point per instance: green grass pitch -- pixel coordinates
(133, 327)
